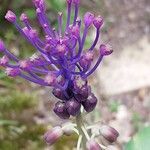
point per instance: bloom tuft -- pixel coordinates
(12, 72)
(10, 16)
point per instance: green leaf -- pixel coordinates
(140, 141)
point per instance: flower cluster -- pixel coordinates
(61, 61)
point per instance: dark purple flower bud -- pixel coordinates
(73, 107)
(93, 145)
(4, 60)
(25, 64)
(51, 79)
(88, 19)
(109, 133)
(2, 46)
(10, 16)
(105, 50)
(90, 103)
(53, 135)
(59, 94)
(98, 21)
(61, 111)
(13, 72)
(23, 17)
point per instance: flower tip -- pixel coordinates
(92, 145)
(23, 17)
(50, 79)
(12, 72)
(4, 60)
(10, 16)
(98, 22)
(2, 46)
(53, 135)
(88, 19)
(105, 50)
(109, 133)
(25, 64)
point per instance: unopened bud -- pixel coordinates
(105, 50)
(73, 107)
(50, 79)
(109, 133)
(4, 60)
(53, 135)
(10, 16)
(98, 21)
(93, 145)
(23, 17)
(13, 72)
(88, 19)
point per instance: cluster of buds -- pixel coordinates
(107, 132)
(62, 61)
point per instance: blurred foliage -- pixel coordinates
(140, 141)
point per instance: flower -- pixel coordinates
(62, 61)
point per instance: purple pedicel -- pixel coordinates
(60, 55)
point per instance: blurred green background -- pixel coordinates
(23, 116)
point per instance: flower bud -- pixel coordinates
(13, 72)
(25, 64)
(61, 111)
(93, 145)
(4, 60)
(23, 17)
(90, 103)
(109, 133)
(50, 79)
(53, 135)
(88, 19)
(2, 46)
(10, 16)
(89, 56)
(105, 50)
(82, 94)
(73, 107)
(26, 31)
(98, 21)
(59, 94)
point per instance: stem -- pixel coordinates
(80, 125)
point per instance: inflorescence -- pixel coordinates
(62, 61)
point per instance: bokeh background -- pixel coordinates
(122, 82)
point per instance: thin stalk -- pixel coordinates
(80, 124)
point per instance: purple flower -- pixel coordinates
(61, 61)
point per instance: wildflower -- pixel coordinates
(61, 61)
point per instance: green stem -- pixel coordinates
(80, 124)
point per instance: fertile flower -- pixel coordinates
(61, 61)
